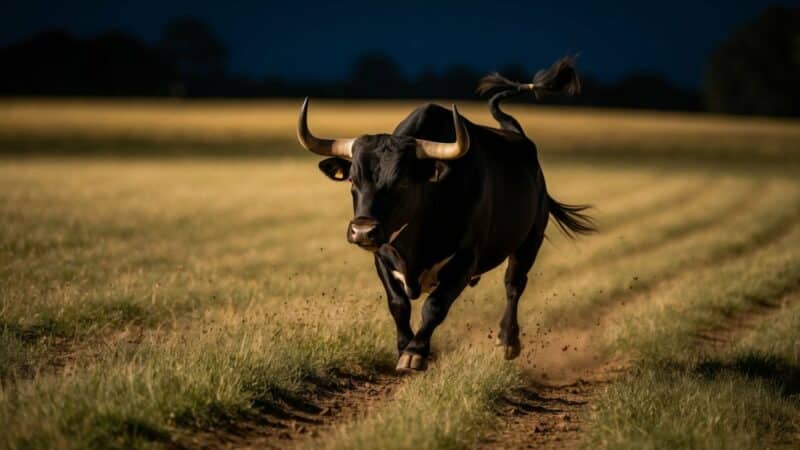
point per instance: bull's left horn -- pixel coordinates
(445, 150)
(342, 148)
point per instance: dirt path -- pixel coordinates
(542, 416)
(292, 422)
(549, 413)
(564, 370)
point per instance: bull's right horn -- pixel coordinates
(446, 150)
(342, 148)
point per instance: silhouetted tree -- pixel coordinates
(377, 75)
(120, 64)
(516, 71)
(191, 61)
(194, 49)
(428, 83)
(458, 81)
(757, 69)
(56, 63)
(653, 91)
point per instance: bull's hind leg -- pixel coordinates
(519, 263)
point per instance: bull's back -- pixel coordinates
(512, 184)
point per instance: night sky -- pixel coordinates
(319, 40)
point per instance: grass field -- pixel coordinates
(212, 301)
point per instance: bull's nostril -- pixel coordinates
(363, 229)
(364, 232)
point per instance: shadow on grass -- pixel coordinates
(75, 322)
(125, 432)
(778, 372)
(274, 417)
(47, 341)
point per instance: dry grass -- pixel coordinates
(237, 123)
(142, 299)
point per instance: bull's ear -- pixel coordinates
(433, 170)
(336, 169)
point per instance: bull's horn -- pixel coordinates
(445, 150)
(342, 148)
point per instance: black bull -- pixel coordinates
(436, 218)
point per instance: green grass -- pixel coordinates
(683, 394)
(449, 406)
(664, 327)
(746, 397)
(196, 378)
(666, 407)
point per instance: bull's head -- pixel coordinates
(387, 175)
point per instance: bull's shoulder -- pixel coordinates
(435, 122)
(428, 121)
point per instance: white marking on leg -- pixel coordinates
(401, 278)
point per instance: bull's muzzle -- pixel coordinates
(366, 233)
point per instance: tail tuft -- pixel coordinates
(571, 218)
(560, 78)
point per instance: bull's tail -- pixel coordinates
(561, 77)
(571, 218)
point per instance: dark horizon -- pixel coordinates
(319, 42)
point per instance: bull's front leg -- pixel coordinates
(399, 304)
(452, 278)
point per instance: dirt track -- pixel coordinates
(347, 398)
(564, 370)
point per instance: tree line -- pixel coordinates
(755, 71)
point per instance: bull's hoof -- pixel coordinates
(510, 351)
(410, 362)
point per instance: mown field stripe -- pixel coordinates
(739, 392)
(654, 231)
(756, 229)
(603, 410)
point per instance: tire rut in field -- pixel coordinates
(687, 193)
(548, 413)
(585, 315)
(611, 252)
(553, 416)
(293, 421)
(734, 208)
